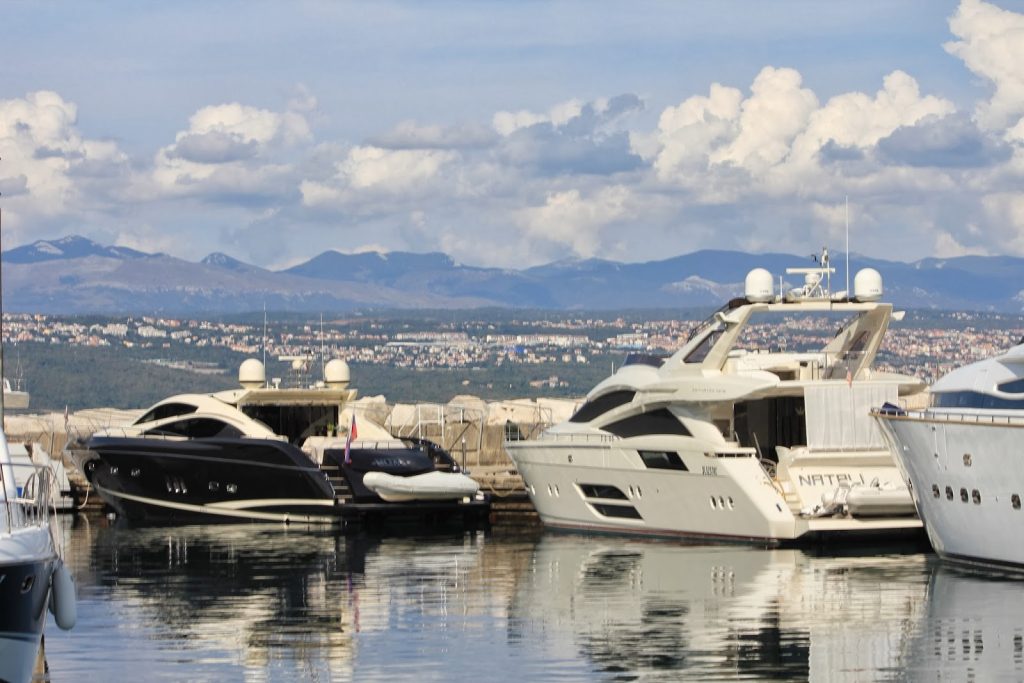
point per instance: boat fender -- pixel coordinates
(62, 598)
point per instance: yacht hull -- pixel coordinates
(601, 488)
(224, 479)
(26, 564)
(964, 472)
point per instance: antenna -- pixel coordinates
(323, 352)
(265, 341)
(847, 247)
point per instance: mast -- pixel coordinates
(848, 247)
(2, 415)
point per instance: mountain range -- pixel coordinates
(74, 275)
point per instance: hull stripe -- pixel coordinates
(236, 511)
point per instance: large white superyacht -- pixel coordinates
(962, 456)
(734, 440)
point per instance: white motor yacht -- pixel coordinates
(960, 456)
(30, 568)
(734, 438)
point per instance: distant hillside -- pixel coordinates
(74, 275)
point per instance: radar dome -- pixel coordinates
(867, 285)
(759, 287)
(336, 374)
(251, 374)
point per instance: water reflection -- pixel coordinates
(973, 629)
(271, 603)
(662, 611)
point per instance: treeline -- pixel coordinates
(86, 377)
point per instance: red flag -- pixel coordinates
(352, 435)
(849, 378)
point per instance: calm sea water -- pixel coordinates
(268, 603)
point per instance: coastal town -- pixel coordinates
(927, 344)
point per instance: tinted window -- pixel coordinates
(1014, 387)
(974, 399)
(624, 511)
(166, 410)
(655, 422)
(601, 405)
(661, 460)
(196, 428)
(602, 491)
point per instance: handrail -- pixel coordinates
(32, 504)
(962, 418)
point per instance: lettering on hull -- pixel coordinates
(829, 479)
(709, 471)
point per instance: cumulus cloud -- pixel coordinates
(572, 138)
(410, 135)
(229, 149)
(949, 141)
(571, 219)
(48, 169)
(991, 44)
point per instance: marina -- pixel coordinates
(267, 603)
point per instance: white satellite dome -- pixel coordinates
(867, 285)
(252, 374)
(759, 286)
(336, 374)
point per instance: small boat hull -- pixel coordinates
(428, 486)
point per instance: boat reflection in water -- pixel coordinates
(223, 602)
(973, 628)
(660, 610)
(266, 603)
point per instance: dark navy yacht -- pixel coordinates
(274, 453)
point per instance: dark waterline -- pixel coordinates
(272, 603)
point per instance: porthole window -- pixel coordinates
(232, 488)
(639, 493)
(113, 469)
(1015, 501)
(136, 472)
(721, 502)
(935, 490)
(731, 504)
(967, 459)
(949, 493)
(963, 495)
(714, 504)
(976, 496)
(214, 486)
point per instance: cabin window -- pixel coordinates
(166, 410)
(662, 460)
(601, 405)
(622, 511)
(197, 428)
(602, 491)
(974, 399)
(1014, 387)
(660, 421)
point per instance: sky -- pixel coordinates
(512, 134)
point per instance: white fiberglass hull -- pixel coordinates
(427, 486)
(603, 486)
(965, 472)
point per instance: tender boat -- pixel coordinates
(732, 437)
(32, 574)
(274, 453)
(961, 457)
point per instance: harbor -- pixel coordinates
(564, 341)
